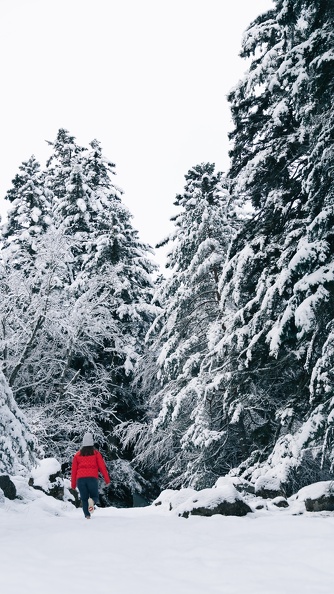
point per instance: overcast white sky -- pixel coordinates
(147, 78)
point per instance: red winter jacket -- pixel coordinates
(84, 466)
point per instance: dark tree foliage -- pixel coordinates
(277, 288)
(179, 420)
(253, 394)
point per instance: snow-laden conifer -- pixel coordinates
(277, 287)
(29, 213)
(17, 444)
(74, 321)
(182, 419)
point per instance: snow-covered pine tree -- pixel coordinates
(182, 419)
(277, 287)
(65, 153)
(17, 444)
(113, 259)
(23, 290)
(29, 213)
(52, 363)
(106, 295)
(73, 324)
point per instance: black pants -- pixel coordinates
(88, 487)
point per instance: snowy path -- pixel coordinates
(149, 551)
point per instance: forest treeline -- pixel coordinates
(225, 365)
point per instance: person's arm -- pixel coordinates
(74, 472)
(102, 467)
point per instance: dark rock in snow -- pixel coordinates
(244, 486)
(47, 477)
(7, 486)
(56, 488)
(280, 502)
(269, 487)
(323, 503)
(225, 508)
(224, 500)
(318, 496)
(268, 493)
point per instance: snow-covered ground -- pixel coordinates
(48, 547)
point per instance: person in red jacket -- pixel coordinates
(86, 465)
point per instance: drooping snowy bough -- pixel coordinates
(17, 444)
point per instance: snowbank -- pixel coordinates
(145, 550)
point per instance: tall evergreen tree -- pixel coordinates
(65, 152)
(108, 261)
(182, 419)
(29, 213)
(72, 336)
(277, 287)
